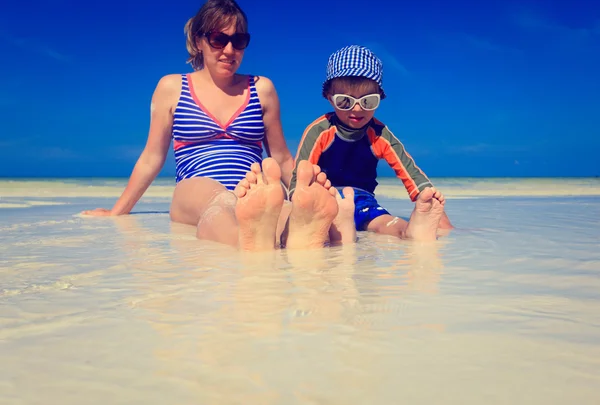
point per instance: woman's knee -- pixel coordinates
(192, 197)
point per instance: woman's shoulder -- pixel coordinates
(169, 86)
(264, 85)
(262, 81)
(170, 81)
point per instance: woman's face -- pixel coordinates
(223, 50)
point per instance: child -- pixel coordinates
(347, 144)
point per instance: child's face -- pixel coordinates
(356, 117)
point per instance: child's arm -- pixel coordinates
(311, 145)
(414, 179)
(388, 147)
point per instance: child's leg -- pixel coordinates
(422, 225)
(387, 224)
(372, 217)
(343, 229)
(395, 226)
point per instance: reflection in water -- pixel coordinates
(240, 324)
(133, 310)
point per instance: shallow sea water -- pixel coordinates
(504, 310)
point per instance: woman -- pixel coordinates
(219, 120)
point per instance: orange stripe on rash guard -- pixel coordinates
(383, 149)
(405, 151)
(323, 142)
(307, 130)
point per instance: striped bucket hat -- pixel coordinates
(355, 60)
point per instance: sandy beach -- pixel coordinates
(134, 309)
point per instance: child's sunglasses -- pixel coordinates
(345, 102)
(219, 40)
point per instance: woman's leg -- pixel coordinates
(253, 217)
(209, 206)
(247, 219)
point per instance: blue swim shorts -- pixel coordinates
(366, 208)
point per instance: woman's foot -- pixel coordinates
(260, 199)
(314, 208)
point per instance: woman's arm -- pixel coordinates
(155, 152)
(274, 140)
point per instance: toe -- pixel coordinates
(338, 196)
(348, 193)
(240, 191)
(305, 173)
(321, 178)
(271, 171)
(426, 194)
(255, 167)
(251, 178)
(242, 188)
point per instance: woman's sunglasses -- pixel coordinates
(345, 102)
(219, 40)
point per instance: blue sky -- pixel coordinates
(497, 88)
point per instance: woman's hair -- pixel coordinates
(345, 84)
(214, 15)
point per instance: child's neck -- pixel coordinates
(347, 132)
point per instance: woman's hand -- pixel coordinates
(155, 152)
(98, 212)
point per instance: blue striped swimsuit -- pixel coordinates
(205, 147)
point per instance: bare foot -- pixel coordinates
(260, 198)
(343, 229)
(283, 229)
(426, 216)
(313, 209)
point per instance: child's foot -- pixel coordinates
(343, 229)
(260, 198)
(313, 209)
(425, 218)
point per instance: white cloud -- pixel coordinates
(35, 153)
(58, 153)
(559, 33)
(461, 40)
(125, 152)
(485, 148)
(482, 43)
(35, 46)
(388, 58)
